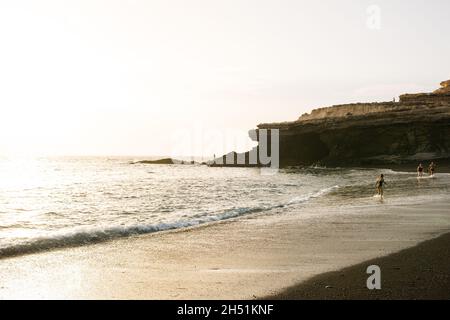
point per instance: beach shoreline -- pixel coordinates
(442, 167)
(245, 258)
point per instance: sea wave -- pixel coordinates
(396, 172)
(313, 195)
(97, 235)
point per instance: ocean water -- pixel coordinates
(47, 203)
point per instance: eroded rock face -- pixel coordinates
(417, 128)
(445, 87)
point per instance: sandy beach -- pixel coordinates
(246, 258)
(226, 150)
(420, 272)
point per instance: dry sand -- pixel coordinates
(243, 258)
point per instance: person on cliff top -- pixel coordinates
(432, 168)
(420, 170)
(380, 183)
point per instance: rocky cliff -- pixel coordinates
(417, 128)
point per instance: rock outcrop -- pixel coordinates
(164, 161)
(417, 128)
(445, 87)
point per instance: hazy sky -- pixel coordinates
(144, 77)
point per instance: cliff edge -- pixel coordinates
(417, 128)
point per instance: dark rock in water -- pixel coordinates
(417, 128)
(233, 159)
(164, 161)
(159, 161)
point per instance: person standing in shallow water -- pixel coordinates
(380, 184)
(432, 168)
(420, 170)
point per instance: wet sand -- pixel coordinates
(421, 272)
(245, 258)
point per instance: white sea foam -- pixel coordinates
(95, 235)
(312, 195)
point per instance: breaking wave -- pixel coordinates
(97, 235)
